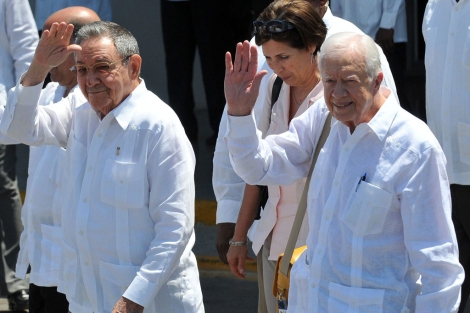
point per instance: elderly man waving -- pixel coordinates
(128, 204)
(378, 188)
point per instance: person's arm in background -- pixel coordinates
(384, 36)
(22, 33)
(228, 186)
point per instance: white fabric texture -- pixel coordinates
(446, 31)
(18, 41)
(228, 186)
(128, 205)
(41, 239)
(281, 207)
(386, 244)
(44, 8)
(370, 15)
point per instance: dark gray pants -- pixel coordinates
(10, 222)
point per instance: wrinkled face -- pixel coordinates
(104, 90)
(292, 65)
(349, 91)
(63, 75)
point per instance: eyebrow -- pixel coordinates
(104, 59)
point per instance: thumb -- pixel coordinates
(257, 80)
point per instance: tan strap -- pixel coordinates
(299, 216)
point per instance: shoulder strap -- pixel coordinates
(275, 93)
(299, 216)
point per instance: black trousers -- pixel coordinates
(461, 217)
(47, 300)
(214, 27)
(10, 222)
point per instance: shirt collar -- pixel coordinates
(383, 119)
(123, 112)
(328, 18)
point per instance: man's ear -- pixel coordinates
(322, 2)
(378, 81)
(135, 64)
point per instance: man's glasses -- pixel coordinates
(100, 67)
(273, 26)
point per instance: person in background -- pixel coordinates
(18, 40)
(379, 186)
(41, 239)
(291, 34)
(228, 186)
(44, 8)
(446, 31)
(191, 24)
(128, 202)
(384, 21)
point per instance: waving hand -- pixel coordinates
(241, 79)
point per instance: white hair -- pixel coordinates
(352, 43)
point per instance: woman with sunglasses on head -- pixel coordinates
(290, 34)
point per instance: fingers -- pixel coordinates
(245, 56)
(228, 64)
(225, 231)
(238, 58)
(236, 257)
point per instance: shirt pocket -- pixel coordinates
(463, 131)
(368, 209)
(115, 279)
(123, 185)
(354, 300)
(430, 35)
(50, 248)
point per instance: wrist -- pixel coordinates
(241, 243)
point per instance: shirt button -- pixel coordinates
(336, 183)
(85, 200)
(89, 169)
(346, 148)
(327, 217)
(80, 232)
(313, 285)
(99, 135)
(86, 263)
(319, 250)
(121, 181)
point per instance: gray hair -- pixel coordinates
(359, 44)
(124, 42)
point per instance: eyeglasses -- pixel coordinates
(100, 67)
(273, 26)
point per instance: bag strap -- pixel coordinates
(299, 216)
(275, 93)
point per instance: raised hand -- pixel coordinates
(54, 46)
(241, 79)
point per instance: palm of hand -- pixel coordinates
(53, 47)
(241, 80)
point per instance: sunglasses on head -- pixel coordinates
(273, 26)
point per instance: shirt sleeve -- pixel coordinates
(22, 33)
(434, 254)
(170, 168)
(279, 159)
(390, 10)
(27, 122)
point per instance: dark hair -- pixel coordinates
(309, 28)
(77, 25)
(124, 41)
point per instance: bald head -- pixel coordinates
(78, 17)
(72, 15)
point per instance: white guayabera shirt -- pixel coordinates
(446, 30)
(378, 208)
(128, 204)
